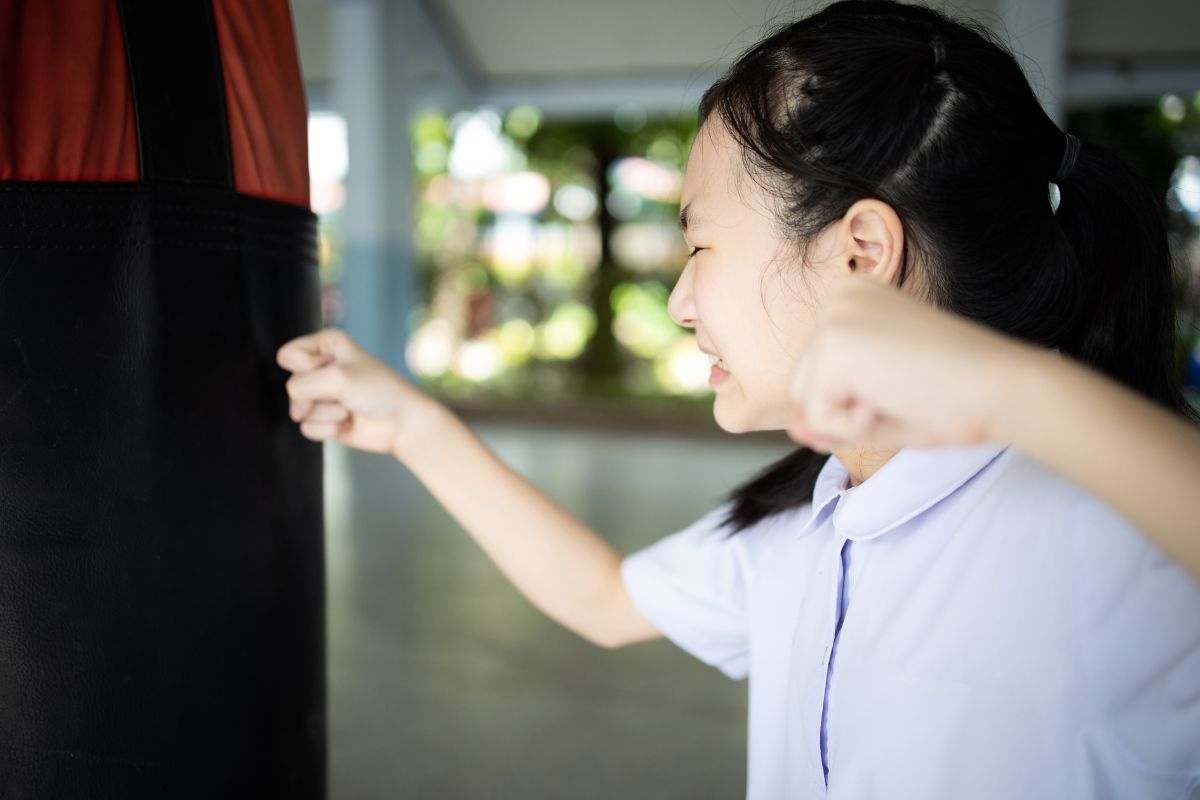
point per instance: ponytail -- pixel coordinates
(1115, 241)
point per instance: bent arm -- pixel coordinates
(1134, 455)
(561, 566)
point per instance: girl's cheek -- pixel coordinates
(711, 305)
(717, 288)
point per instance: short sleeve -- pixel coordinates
(1137, 633)
(693, 585)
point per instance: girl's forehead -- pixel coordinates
(710, 146)
(715, 179)
(713, 164)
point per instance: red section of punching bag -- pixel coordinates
(264, 98)
(66, 109)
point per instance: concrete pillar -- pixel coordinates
(388, 61)
(357, 93)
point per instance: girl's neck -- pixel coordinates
(861, 463)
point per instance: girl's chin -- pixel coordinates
(728, 418)
(733, 415)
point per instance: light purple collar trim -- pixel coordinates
(913, 480)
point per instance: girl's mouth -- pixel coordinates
(719, 370)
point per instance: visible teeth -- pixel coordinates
(716, 361)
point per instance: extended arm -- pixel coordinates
(563, 567)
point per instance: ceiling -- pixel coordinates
(588, 57)
(529, 40)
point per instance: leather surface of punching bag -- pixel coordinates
(162, 629)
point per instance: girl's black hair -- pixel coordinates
(933, 115)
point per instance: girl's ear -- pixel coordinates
(873, 239)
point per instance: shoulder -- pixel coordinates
(760, 538)
(1067, 507)
(1037, 519)
(711, 545)
(1019, 488)
(1102, 556)
(1134, 613)
(1135, 633)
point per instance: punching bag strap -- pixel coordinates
(178, 91)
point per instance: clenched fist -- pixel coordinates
(341, 392)
(882, 369)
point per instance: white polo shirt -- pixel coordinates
(965, 624)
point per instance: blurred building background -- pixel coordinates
(498, 186)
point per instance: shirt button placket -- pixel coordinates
(823, 625)
(832, 619)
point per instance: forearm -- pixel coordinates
(559, 564)
(1132, 454)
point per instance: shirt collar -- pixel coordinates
(911, 481)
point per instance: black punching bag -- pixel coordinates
(161, 535)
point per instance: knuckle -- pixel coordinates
(811, 409)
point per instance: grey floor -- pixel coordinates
(444, 681)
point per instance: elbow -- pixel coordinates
(608, 643)
(609, 640)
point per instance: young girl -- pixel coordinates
(952, 623)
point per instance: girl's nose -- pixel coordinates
(680, 306)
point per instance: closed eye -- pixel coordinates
(696, 250)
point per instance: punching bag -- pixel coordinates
(162, 628)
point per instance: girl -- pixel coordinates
(950, 623)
